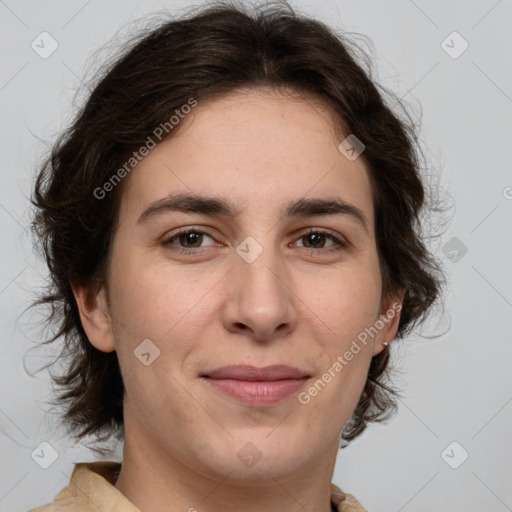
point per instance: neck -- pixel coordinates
(153, 480)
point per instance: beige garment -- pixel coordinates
(91, 489)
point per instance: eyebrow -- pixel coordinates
(221, 207)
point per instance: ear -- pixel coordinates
(95, 317)
(390, 317)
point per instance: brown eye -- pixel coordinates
(190, 239)
(187, 241)
(315, 240)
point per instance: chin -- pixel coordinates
(261, 473)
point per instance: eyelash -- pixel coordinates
(340, 244)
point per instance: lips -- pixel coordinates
(257, 386)
(252, 373)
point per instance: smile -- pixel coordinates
(258, 392)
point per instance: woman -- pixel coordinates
(232, 229)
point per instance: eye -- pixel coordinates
(315, 240)
(188, 240)
(191, 240)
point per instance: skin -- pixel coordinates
(296, 304)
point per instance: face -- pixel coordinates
(264, 273)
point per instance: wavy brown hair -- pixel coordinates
(209, 52)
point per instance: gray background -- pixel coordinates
(457, 388)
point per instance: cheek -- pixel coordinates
(347, 309)
(348, 302)
(151, 302)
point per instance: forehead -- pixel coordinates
(257, 147)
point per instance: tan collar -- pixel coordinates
(91, 489)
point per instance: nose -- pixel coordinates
(260, 302)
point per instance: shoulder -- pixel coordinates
(345, 502)
(66, 500)
(90, 488)
(60, 505)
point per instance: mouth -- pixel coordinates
(257, 386)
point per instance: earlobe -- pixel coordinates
(94, 314)
(390, 321)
